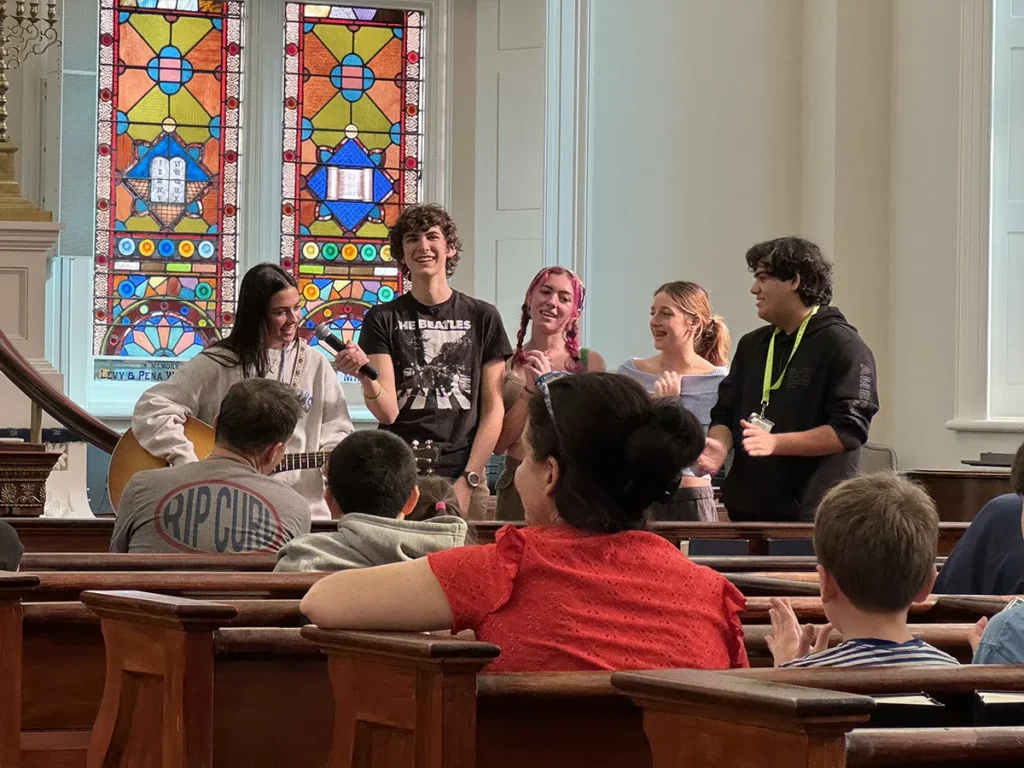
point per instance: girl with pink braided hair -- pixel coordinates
(551, 312)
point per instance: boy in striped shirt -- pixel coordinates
(876, 537)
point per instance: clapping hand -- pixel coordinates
(974, 636)
(713, 457)
(757, 441)
(788, 640)
(670, 384)
(535, 366)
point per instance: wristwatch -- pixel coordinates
(472, 478)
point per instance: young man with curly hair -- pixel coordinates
(798, 401)
(440, 355)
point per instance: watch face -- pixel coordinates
(472, 478)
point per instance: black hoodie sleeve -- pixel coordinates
(723, 412)
(853, 392)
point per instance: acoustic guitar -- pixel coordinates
(129, 457)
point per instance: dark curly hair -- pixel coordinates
(618, 451)
(785, 258)
(418, 219)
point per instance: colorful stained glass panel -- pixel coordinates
(352, 154)
(167, 176)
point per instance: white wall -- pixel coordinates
(694, 148)
(925, 193)
(714, 125)
(509, 172)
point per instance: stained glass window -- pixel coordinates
(352, 154)
(167, 175)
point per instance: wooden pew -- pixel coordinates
(755, 586)
(62, 671)
(533, 720)
(51, 669)
(937, 609)
(46, 535)
(960, 493)
(68, 585)
(182, 693)
(758, 535)
(706, 718)
(35, 562)
(61, 690)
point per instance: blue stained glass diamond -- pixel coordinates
(350, 208)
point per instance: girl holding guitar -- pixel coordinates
(264, 342)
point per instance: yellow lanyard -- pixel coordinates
(768, 388)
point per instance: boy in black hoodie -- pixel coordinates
(798, 401)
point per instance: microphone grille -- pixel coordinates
(322, 331)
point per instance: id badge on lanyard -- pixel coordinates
(759, 419)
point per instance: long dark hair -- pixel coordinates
(248, 338)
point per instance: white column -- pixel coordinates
(847, 74)
(25, 250)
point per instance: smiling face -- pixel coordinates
(426, 253)
(671, 326)
(776, 299)
(283, 318)
(552, 303)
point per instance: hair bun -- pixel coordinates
(658, 449)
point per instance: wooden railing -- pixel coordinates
(27, 379)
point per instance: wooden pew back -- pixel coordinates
(46, 535)
(706, 718)
(180, 693)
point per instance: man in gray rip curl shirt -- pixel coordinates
(225, 503)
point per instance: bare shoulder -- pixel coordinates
(648, 365)
(595, 362)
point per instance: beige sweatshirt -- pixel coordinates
(197, 388)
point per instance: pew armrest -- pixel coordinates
(751, 585)
(412, 646)
(159, 610)
(969, 607)
(873, 747)
(14, 586)
(744, 700)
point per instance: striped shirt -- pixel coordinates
(870, 652)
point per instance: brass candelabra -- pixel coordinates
(23, 33)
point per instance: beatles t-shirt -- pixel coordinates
(438, 353)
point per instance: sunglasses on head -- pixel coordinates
(543, 381)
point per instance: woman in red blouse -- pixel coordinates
(582, 587)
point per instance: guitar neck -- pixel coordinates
(292, 461)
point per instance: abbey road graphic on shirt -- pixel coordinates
(234, 519)
(444, 377)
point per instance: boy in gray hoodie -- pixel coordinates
(371, 487)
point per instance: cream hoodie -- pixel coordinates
(197, 388)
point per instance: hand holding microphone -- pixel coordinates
(350, 359)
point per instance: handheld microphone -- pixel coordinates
(324, 334)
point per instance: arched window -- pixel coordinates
(352, 154)
(166, 174)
